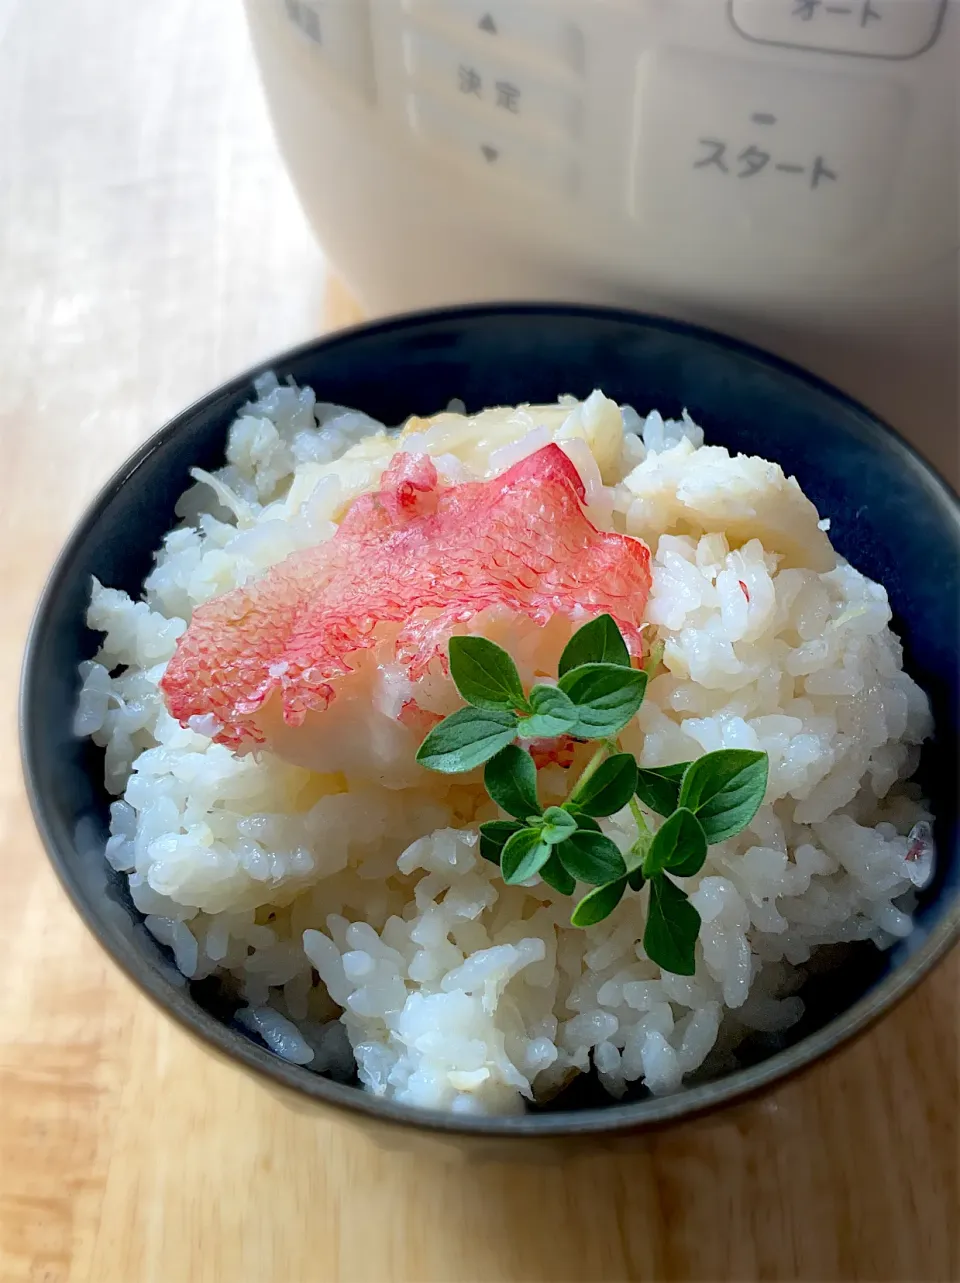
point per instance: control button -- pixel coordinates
(339, 31)
(512, 95)
(547, 35)
(870, 28)
(746, 157)
(512, 155)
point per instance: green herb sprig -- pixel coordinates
(597, 694)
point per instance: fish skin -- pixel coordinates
(414, 553)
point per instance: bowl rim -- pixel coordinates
(638, 1116)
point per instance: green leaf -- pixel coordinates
(558, 825)
(598, 642)
(691, 850)
(467, 738)
(511, 780)
(636, 879)
(673, 924)
(659, 786)
(606, 695)
(598, 904)
(725, 790)
(524, 855)
(591, 857)
(585, 821)
(556, 876)
(484, 674)
(494, 835)
(609, 788)
(679, 845)
(553, 713)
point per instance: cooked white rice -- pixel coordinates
(347, 905)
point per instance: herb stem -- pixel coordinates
(638, 816)
(589, 770)
(638, 852)
(635, 857)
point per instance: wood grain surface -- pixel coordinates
(149, 246)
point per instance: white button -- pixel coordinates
(871, 28)
(546, 34)
(513, 96)
(492, 151)
(339, 31)
(738, 157)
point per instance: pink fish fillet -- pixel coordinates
(415, 553)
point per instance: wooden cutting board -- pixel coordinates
(150, 245)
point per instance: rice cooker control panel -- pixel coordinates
(709, 135)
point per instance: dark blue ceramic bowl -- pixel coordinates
(891, 516)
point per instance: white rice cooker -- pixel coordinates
(783, 170)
